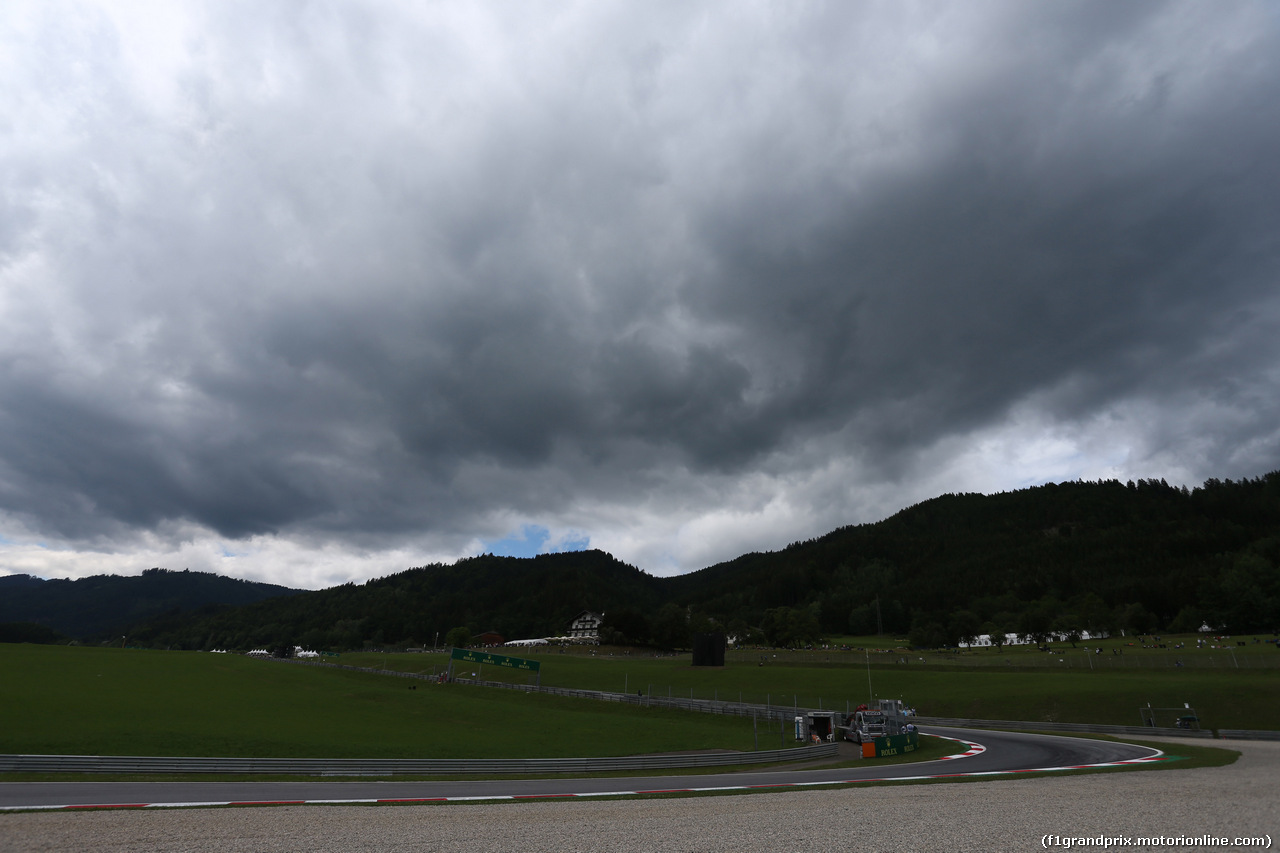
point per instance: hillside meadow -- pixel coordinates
(80, 700)
(1229, 686)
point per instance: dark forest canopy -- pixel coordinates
(104, 605)
(1078, 556)
(1100, 556)
(511, 596)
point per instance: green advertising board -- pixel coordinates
(897, 744)
(478, 657)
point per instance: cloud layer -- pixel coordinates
(313, 292)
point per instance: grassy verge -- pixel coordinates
(92, 701)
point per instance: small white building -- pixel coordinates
(586, 627)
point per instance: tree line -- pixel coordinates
(1066, 558)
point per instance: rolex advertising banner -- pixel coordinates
(482, 658)
(891, 745)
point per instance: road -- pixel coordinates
(1003, 752)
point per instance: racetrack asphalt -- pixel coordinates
(1002, 752)
(1012, 813)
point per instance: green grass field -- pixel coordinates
(1017, 683)
(81, 700)
(61, 700)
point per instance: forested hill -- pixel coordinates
(1099, 556)
(515, 597)
(109, 604)
(1102, 556)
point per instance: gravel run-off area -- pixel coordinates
(1239, 800)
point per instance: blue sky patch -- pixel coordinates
(530, 541)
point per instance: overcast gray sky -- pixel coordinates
(311, 292)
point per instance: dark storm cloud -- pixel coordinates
(1061, 230)
(357, 277)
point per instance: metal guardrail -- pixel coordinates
(1247, 734)
(784, 713)
(704, 706)
(1084, 728)
(394, 766)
